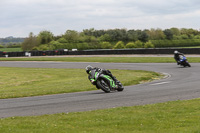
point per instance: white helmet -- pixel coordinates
(175, 52)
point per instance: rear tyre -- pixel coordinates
(103, 85)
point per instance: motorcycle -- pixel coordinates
(105, 82)
(183, 61)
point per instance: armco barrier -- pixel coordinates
(104, 52)
(137, 51)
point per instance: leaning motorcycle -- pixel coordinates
(105, 82)
(184, 62)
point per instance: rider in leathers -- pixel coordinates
(177, 56)
(104, 71)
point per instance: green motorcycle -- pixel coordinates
(104, 82)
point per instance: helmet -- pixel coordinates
(176, 52)
(88, 68)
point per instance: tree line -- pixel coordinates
(11, 40)
(112, 39)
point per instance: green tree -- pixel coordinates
(168, 33)
(132, 35)
(189, 32)
(156, 34)
(175, 31)
(117, 34)
(56, 45)
(71, 36)
(105, 37)
(30, 42)
(62, 40)
(45, 37)
(143, 36)
(89, 32)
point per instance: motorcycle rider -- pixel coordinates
(177, 56)
(104, 71)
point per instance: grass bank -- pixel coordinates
(11, 49)
(104, 59)
(169, 117)
(23, 82)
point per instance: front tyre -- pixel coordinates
(120, 87)
(103, 85)
(188, 64)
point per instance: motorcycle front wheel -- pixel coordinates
(188, 64)
(103, 85)
(120, 88)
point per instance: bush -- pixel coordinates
(55, 45)
(119, 45)
(82, 46)
(68, 46)
(1, 46)
(14, 46)
(106, 45)
(62, 40)
(176, 43)
(130, 45)
(149, 45)
(197, 37)
(42, 47)
(138, 44)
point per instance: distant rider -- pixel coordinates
(177, 56)
(104, 71)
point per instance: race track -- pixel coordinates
(181, 83)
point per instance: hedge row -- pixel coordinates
(176, 43)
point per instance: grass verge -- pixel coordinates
(104, 59)
(23, 82)
(169, 117)
(11, 49)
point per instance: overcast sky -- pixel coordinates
(20, 17)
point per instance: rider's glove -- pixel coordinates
(92, 81)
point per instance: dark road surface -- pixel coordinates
(180, 84)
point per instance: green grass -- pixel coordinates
(11, 49)
(169, 117)
(23, 82)
(104, 59)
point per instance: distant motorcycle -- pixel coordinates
(105, 82)
(183, 61)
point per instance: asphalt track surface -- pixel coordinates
(179, 84)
